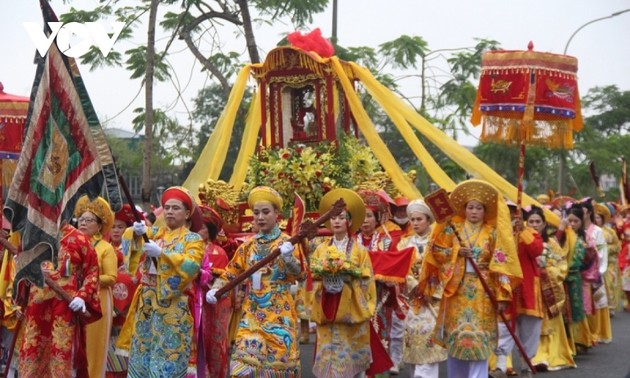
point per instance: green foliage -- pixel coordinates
(172, 141)
(405, 51)
(137, 64)
(208, 107)
(299, 11)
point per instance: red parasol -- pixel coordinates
(528, 97)
(13, 111)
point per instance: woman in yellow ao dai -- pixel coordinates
(342, 300)
(467, 320)
(419, 350)
(95, 219)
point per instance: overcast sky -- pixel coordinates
(602, 48)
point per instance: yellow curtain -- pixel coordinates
(248, 144)
(385, 98)
(212, 157)
(464, 158)
(375, 142)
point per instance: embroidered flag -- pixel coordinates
(60, 160)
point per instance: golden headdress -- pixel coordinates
(264, 193)
(98, 207)
(496, 214)
(476, 190)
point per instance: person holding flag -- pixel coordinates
(158, 331)
(53, 342)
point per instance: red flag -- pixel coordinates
(440, 205)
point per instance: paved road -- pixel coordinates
(603, 361)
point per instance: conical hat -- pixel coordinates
(354, 206)
(603, 211)
(476, 190)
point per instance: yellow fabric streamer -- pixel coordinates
(375, 142)
(214, 153)
(464, 158)
(248, 144)
(385, 98)
(403, 116)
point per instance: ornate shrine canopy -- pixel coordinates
(341, 79)
(13, 111)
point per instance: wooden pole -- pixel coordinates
(495, 303)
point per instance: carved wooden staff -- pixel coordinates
(306, 229)
(443, 211)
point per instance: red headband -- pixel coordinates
(178, 194)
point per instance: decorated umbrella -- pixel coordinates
(13, 111)
(528, 97)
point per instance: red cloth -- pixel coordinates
(54, 330)
(313, 41)
(392, 266)
(380, 358)
(624, 259)
(527, 254)
(330, 303)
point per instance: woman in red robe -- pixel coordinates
(54, 330)
(211, 321)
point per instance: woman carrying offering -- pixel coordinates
(343, 298)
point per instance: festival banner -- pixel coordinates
(61, 160)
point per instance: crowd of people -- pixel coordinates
(383, 285)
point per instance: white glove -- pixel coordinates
(211, 296)
(139, 228)
(152, 249)
(286, 251)
(77, 304)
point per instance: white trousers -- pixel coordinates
(456, 368)
(396, 340)
(528, 332)
(426, 370)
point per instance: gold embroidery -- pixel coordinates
(56, 161)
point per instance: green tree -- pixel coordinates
(604, 139)
(209, 105)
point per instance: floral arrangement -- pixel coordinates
(548, 257)
(313, 170)
(334, 263)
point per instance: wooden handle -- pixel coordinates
(54, 286)
(495, 303)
